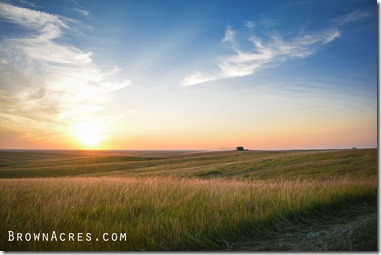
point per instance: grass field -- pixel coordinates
(250, 200)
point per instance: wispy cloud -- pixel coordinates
(49, 85)
(250, 24)
(350, 18)
(82, 11)
(274, 49)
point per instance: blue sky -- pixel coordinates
(188, 74)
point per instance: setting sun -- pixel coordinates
(89, 137)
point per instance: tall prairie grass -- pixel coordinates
(167, 213)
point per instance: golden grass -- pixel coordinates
(164, 213)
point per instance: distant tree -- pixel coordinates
(240, 148)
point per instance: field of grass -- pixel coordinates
(250, 200)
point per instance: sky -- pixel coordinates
(188, 75)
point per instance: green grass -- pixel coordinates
(193, 201)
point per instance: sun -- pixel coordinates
(89, 137)
(88, 132)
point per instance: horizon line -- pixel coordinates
(194, 150)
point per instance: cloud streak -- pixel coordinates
(82, 11)
(52, 86)
(275, 49)
(350, 18)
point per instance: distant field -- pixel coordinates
(187, 200)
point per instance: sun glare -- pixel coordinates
(89, 137)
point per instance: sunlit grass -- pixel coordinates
(192, 201)
(165, 213)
